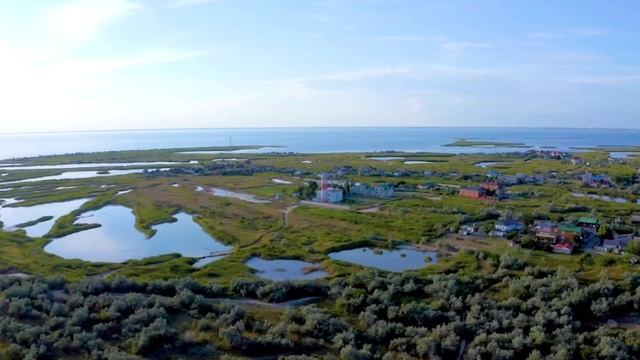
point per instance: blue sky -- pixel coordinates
(122, 64)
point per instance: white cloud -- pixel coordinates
(611, 79)
(457, 48)
(79, 20)
(401, 38)
(586, 31)
(359, 74)
(147, 57)
(414, 72)
(575, 57)
(183, 3)
(546, 35)
(568, 32)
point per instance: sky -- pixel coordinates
(150, 64)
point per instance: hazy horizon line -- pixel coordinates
(312, 127)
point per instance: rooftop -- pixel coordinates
(588, 220)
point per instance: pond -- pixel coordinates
(117, 239)
(397, 260)
(77, 175)
(283, 269)
(415, 162)
(623, 155)
(387, 158)
(91, 165)
(237, 195)
(229, 159)
(619, 200)
(486, 164)
(280, 181)
(12, 216)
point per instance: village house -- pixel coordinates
(588, 224)
(475, 192)
(635, 218)
(468, 229)
(563, 248)
(596, 180)
(617, 244)
(509, 225)
(427, 186)
(547, 232)
(344, 171)
(384, 191)
(327, 193)
(570, 233)
(486, 190)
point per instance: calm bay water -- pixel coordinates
(312, 140)
(117, 239)
(396, 260)
(12, 216)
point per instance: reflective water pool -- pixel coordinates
(415, 162)
(619, 200)
(387, 158)
(282, 269)
(117, 240)
(238, 195)
(12, 216)
(486, 164)
(280, 181)
(77, 175)
(228, 159)
(623, 155)
(396, 260)
(90, 165)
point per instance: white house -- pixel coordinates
(331, 195)
(507, 226)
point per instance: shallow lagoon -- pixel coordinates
(388, 260)
(386, 158)
(486, 164)
(237, 195)
(619, 200)
(90, 165)
(623, 155)
(283, 269)
(12, 216)
(77, 175)
(416, 162)
(118, 240)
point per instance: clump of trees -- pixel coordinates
(307, 191)
(536, 314)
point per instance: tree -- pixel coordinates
(605, 232)
(634, 247)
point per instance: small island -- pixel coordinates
(482, 143)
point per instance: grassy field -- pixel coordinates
(420, 217)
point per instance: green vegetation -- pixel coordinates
(34, 222)
(484, 297)
(481, 143)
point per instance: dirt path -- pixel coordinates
(288, 211)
